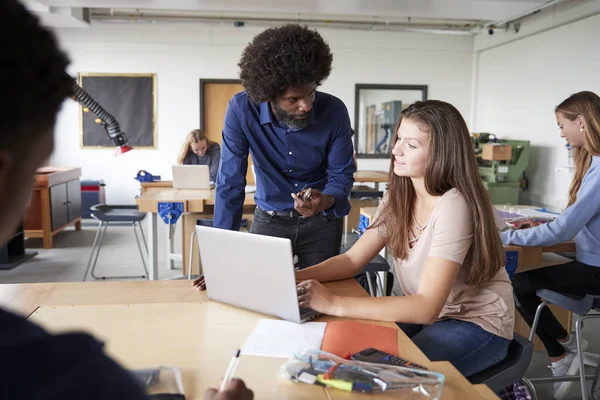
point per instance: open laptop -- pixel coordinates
(254, 272)
(192, 177)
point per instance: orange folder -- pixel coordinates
(343, 337)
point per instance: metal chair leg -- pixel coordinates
(530, 387)
(143, 236)
(371, 291)
(98, 251)
(137, 240)
(87, 269)
(578, 327)
(536, 319)
(595, 382)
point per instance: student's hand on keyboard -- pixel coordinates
(312, 294)
(199, 283)
(236, 390)
(526, 224)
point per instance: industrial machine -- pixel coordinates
(502, 165)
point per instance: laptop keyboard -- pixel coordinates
(305, 311)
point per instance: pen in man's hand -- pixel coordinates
(230, 371)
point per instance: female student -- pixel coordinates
(578, 118)
(438, 222)
(199, 150)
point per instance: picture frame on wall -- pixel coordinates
(377, 108)
(130, 98)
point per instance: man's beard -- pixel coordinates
(289, 119)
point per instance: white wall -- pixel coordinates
(182, 54)
(517, 87)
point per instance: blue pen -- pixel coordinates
(546, 211)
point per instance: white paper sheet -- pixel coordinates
(534, 213)
(276, 338)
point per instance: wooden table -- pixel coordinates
(200, 204)
(359, 176)
(147, 324)
(372, 176)
(196, 204)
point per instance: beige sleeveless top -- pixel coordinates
(449, 235)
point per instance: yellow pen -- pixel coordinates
(335, 383)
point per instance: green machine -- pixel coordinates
(504, 178)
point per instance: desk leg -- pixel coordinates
(152, 246)
(171, 256)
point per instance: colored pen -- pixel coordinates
(230, 370)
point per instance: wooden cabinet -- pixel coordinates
(65, 203)
(55, 203)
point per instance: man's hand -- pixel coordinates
(199, 283)
(318, 202)
(236, 390)
(312, 294)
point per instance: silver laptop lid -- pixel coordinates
(191, 177)
(250, 271)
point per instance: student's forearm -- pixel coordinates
(411, 309)
(335, 269)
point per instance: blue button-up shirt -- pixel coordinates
(285, 161)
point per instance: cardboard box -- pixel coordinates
(496, 151)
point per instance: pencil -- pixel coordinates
(230, 370)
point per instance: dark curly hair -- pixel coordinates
(281, 57)
(33, 83)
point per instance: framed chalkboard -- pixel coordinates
(130, 98)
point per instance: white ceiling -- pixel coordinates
(447, 14)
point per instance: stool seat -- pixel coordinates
(106, 213)
(578, 304)
(509, 370)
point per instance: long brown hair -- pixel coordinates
(587, 105)
(451, 163)
(195, 136)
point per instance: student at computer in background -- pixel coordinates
(199, 150)
(437, 220)
(33, 85)
(578, 118)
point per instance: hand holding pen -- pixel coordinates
(235, 390)
(231, 389)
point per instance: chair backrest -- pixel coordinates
(509, 370)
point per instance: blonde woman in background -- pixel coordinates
(578, 118)
(199, 150)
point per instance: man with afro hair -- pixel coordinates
(299, 139)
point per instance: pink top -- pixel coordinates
(449, 235)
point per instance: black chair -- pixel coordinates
(370, 272)
(511, 369)
(583, 306)
(106, 215)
